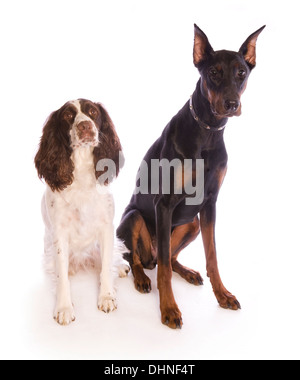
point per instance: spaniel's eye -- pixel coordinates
(68, 115)
(93, 112)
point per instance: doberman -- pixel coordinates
(157, 225)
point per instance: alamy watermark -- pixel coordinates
(163, 177)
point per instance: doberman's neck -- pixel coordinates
(203, 110)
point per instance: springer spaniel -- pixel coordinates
(78, 207)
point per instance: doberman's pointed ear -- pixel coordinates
(248, 49)
(202, 47)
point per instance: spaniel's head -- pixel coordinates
(77, 124)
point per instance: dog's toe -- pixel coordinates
(64, 315)
(123, 269)
(172, 318)
(107, 304)
(143, 284)
(228, 301)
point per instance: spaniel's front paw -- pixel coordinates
(64, 315)
(107, 303)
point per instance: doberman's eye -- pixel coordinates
(213, 72)
(242, 73)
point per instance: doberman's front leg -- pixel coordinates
(170, 313)
(207, 223)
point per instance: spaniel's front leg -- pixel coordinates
(107, 297)
(64, 311)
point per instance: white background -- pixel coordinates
(136, 58)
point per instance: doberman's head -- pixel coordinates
(224, 73)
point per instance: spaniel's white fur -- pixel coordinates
(79, 218)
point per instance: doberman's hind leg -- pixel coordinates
(134, 232)
(181, 237)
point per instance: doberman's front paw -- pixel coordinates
(142, 283)
(171, 317)
(227, 300)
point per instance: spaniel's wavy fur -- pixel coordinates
(78, 210)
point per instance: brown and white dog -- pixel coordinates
(78, 209)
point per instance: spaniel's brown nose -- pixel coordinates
(85, 131)
(85, 126)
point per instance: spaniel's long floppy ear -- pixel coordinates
(109, 150)
(53, 159)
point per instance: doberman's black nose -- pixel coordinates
(231, 105)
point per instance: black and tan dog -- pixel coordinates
(157, 225)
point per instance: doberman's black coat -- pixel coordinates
(156, 227)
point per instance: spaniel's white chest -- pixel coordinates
(82, 210)
(82, 213)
